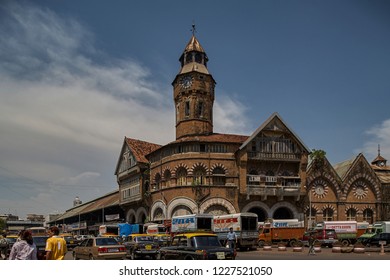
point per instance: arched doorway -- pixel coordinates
(261, 213)
(283, 213)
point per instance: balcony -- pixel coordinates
(274, 156)
(279, 186)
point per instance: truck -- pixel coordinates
(191, 223)
(347, 231)
(245, 225)
(289, 231)
(377, 227)
(121, 229)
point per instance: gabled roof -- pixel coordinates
(138, 148)
(141, 148)
(267, 123)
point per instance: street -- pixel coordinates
(325, 254)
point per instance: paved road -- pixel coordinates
(325, 254)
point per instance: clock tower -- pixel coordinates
(193, 92)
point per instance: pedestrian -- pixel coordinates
(24, 249)
(311, 245)
(55, 245)
(3, 246)
(231, 238)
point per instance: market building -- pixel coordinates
(269, 173)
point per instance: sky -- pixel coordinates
(76, 77)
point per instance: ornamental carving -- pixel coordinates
(360, 189)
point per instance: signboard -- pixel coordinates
(382, 242)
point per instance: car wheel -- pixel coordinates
(261, 243)
(75, 256)
(345, 242)
(91, 257)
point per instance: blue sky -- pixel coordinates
(78, 76)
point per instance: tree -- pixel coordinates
(318, 158)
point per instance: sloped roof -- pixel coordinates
(194, 45)
(342, 167)
(214, 137)
(383, 173)
(264, 125)
(141, 148)
(105, 201)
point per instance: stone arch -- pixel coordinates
(198, 165)
(219, 165)
(177, 167)
(159, 204)
(287, 205)
(362, 181)
(165, 171)
(131, 216)
(141, 215)
(184, 201)
(217, 201)
(372, 182)
(263, 209)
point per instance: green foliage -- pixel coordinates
(318, 158)
(3, 225)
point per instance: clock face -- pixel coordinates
(186, 81)
(319, 190)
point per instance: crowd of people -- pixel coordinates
(25, 249)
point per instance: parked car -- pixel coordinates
(374, 241)
(196, 246)
(141, 245)
(71, 242)
(325, 237)
(7, 243)
(40, 242)
(96, 248)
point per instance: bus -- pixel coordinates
(37, 231)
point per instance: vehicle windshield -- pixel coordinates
(106, 241)
(143, 238)
(205, 241)
(40, 239)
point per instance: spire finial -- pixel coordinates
(379, 149)
(193, 29)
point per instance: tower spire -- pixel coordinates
(193, 29)
(379, 150)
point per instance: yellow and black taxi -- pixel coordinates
(71, 241)
(140, 245)
(196, 246)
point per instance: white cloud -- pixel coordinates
(65, 110)
(379, 135)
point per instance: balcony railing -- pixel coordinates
(273, 190)
(274, 156)
(279, 186)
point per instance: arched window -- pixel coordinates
(157, 180)
(351, 214)
(181, 176)
(368, 216)
(199, 176)
(219, 177)
(167, 178)
(328, 214)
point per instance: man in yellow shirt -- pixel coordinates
(55, 245)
